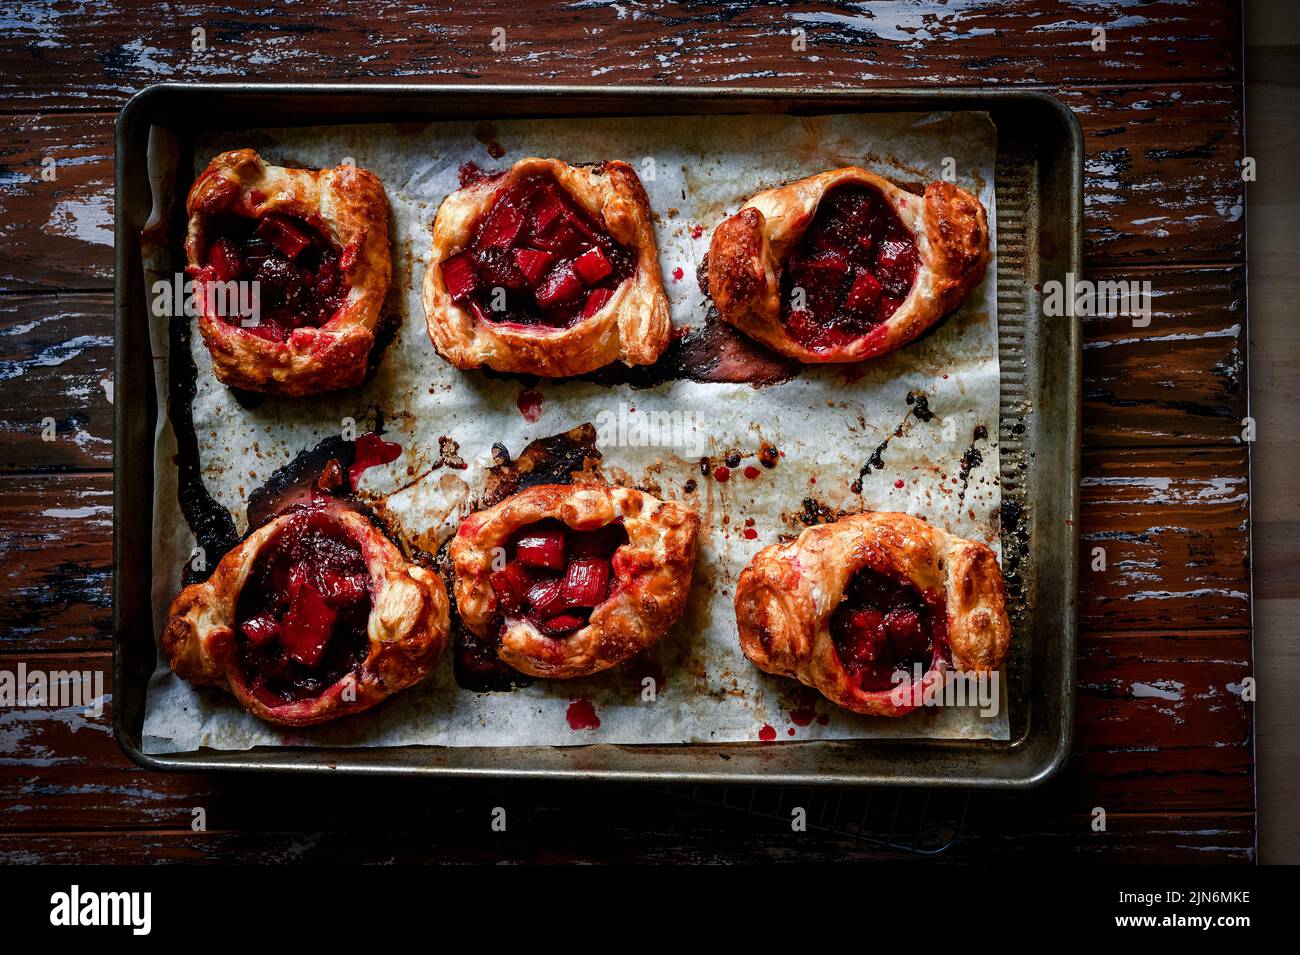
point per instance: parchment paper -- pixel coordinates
(827, 423)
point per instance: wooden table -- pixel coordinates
(1164, 741)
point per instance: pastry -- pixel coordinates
(314, 246)
(315, 615)
(845, 265)
(574, 578)
(547, 269)
(846, 606)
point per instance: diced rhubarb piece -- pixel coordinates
(284, 235)
(562, 239)
(533, 262)
(593, 265)
(892, 253)
(596, 300)
(564, 623)
(541, 548)
(327, 279)
(829, 243)
(496, 267)
(600, 542)
(306, 628)
(546, 596)
(863, 293)
(586, 583)
(261, 629)
(458, 275)
(560, 285)
(502, 227)
(551, 209)
(343, 589)
(223, 257)
(828, 261)
(511, 585)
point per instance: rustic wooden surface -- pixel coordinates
(1163, 741)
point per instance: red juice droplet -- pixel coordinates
(530, 404)
(767, 733)
(677, 274)
(751, 472)
(372, 450)
(582, 715)
(803, 716)
(722, 474)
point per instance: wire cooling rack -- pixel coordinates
(920, 821)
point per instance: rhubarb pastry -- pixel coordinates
(548, 269)
(845, 265)
(315, 615)
(574, 579)
(314, 246)
(858, 608)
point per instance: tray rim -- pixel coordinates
(335, 760)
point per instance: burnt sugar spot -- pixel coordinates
(918, 408)
(971, 458)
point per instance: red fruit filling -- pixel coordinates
(855, 265)
(552, 262)
(371, 451)
(556, 576)
(303, 612)
(883, 627)
(296, 267)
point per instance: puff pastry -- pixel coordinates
(575, 579)
(548, 269)
(846, 605)
(315, 615)
(316, 243)
(845, 265)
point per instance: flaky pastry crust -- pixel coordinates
(407, 630)
(349, 207)
(633, 326)
(748, 250)
(785, 598)
(651, 573)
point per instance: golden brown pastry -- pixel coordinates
(316, 244)
(845, 265)
(315, 615)
(547, 269)
(846, 606)
(574, 578)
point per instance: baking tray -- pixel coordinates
(1039, 239)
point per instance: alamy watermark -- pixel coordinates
(233, 299)
(949, 688)
(1103, 298)
(58, 688)
(628, 428)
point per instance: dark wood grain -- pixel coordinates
(56, 362)
(1179, 380)
(56, 561)
(1175, 539)
(107, 51)
(1162, 177)
(56, 234)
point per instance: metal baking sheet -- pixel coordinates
(1020, 158)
